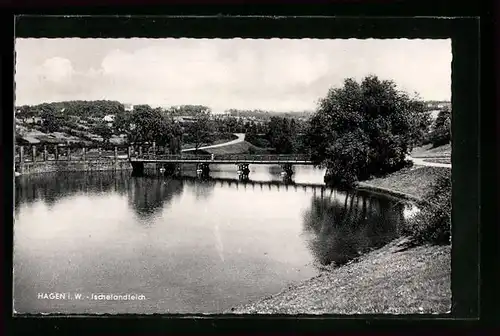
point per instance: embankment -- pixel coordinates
(29, 168)
(409, 183)
(385, 281)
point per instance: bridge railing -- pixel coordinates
(227, 157)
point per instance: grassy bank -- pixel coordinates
(415, 182)
(439, 160)
(428, 151)
(387, 280)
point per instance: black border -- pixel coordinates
(465, 101)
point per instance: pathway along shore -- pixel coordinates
(388, 280)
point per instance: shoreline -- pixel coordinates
(89, 165)
(390, 280)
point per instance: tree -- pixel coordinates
(103, 130)
(363, 129)
(441, 134)
(251, 134)
(149, 125)
(122, 122)
(280, 135)
(24, 112)
(175, 144)
(52, 118)
(201, 130)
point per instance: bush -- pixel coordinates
(441, 135)
(433, 223)
(258, 141)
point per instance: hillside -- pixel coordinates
(240, 148)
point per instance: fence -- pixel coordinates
(57, 153)
(225, 157)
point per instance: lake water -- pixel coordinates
(183, 245)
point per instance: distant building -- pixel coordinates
(184, 119)
(128, 107)
(109, 118)
(434, 114)
(33, 120)
(438, 105)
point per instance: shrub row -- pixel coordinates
(433, 223)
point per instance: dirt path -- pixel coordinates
(422, 162)
(241, 138)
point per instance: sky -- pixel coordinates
(269, 74)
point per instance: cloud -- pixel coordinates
(276, 74)
(56, 69)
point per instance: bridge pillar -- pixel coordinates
(203, 169)
(44, 152)
(171, 169)
(243, 170)
(287, 179)
(68, 151)
(287, 171)
(329, 176)
(21, 159)
(84, 153)
(56, 152)
(33, 153)
(137, 168)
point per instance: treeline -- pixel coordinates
(283, 135)
(266, 115)
(187, 110)
(78, 108)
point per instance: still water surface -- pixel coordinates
(188, 246)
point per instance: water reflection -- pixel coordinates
(51, 187)
(341, 226)
(148, 195)
(202, 187)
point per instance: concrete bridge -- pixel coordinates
(170, 163)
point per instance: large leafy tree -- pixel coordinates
(53, 119)
(148, 125)
(363, 129)
(201, 130)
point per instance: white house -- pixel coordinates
(109, 118)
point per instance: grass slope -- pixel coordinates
(243, 147)
(416, 181)
(428, 151)
(383, 281)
